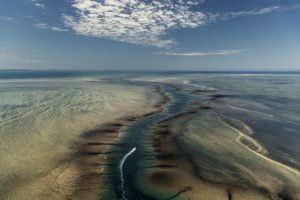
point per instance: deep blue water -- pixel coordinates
(31, 74)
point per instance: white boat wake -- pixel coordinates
(123, 160)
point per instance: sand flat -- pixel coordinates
(41, 122)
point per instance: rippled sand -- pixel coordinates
(41, 120)
(238, 141)
(208, 136)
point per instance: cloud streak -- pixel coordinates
(5, 18)
(201, 53)
(213, 17)
(52, 28)
(38, 4)
(8, 55)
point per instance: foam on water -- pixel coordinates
(123, 160)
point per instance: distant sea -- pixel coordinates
(29, 74)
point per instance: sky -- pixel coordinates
(209, 35)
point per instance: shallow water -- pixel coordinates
(42, 116)
(138, 132)
(42, 119)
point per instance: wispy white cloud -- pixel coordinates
(38, 3)
(58, 29)
(52, 28)
(3, 18)
(9, 55)
(213, 17)
(41, 25)
(134, 21)
(146, 22)
(202, 53)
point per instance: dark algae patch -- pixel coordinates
(188, 149)
(208, 137)
(283, 195)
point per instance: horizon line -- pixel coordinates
(146, 70)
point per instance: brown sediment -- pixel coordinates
(92, 160)
(211, 94)
(161, 166)
(218, 96)
(249, 144)
(195, 91)
(176, 167)
(98, 152)
(172, 156)
(261, 151)
(229, 195)
(165, 98)
(162, 178)
(168, 157)
(283, 195)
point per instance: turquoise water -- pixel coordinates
(140, 131)
(269, 103)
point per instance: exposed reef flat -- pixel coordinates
(151, 137)
(99, 154)
(198, 162)
(41, 122)
(199, 154)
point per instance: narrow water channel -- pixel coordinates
(137, 132)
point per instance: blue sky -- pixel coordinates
(150, 34)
